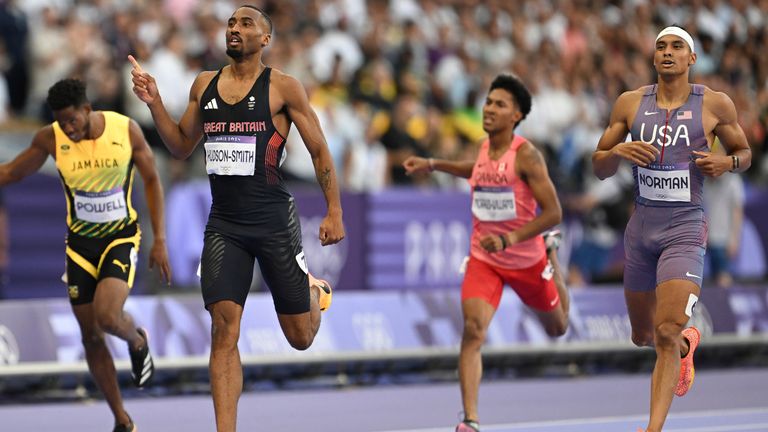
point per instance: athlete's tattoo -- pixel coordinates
(325, 179)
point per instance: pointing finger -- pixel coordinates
(135, 63)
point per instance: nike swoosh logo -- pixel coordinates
(651, 113)
(692, 275)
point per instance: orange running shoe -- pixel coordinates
(687, 371)
(325, 291)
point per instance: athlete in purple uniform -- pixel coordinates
(673, 124)
(243, 112)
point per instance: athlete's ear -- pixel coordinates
(517, 116)
(265, 40)
(692, 61)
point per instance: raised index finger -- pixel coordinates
(135, 64)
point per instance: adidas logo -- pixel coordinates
(211, 104)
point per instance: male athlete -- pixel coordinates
(95, 153)
(244, 112)
(510, 183)
(673, 125)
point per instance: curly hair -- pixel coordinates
(66, 93)
(517, 89)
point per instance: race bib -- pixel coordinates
(664, 185)
(100, 207)
(493, 204)
(230, 155)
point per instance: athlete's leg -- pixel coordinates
(671, 316)
(641, 307)
(108, 303)
(99, 360)
(477, 317)
(300, 329)
(480, 296)
(225, 368)
(555, 321)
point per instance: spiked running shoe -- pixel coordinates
(142, 366)
(468, 426)
(687, 371)
(552, 239)
(325, 291)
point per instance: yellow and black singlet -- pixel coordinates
(97, 176)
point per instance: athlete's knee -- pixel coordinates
(225, 331)
(300, 341)
(642, 338)
(557, 328)
(668, 334)
(474, 331)
(108, 321)
(93, 340)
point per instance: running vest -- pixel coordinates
(243, 153)
(97, 176)
(673, 180)
(502, 202)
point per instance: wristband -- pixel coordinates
(735, 164)
(431, 164)
(503, 241)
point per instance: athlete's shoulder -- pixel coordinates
(716, 101)
(282, 79)
(45, 138)
(529, 153)
(202, 81)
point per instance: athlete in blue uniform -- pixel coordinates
(243, 112)
(673, 125)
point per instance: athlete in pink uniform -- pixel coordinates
(673, 125)
(509, 181)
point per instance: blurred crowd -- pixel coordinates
(394, 78)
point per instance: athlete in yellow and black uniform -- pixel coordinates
(96, 153)
(103, 234)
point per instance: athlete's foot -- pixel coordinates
(130, 427)
(552, 240)
(323, 291)
(687, 371)
(467, 425)
(142, 366)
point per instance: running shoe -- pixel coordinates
(687, 371)
(552, 239)
(130, 427)
(468, 426)
(142, 366)
(325, 291)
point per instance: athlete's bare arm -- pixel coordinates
(145, 163)
(611, 148)
(721, 108)
(180, 138)
(31, 159)
(531, 168)
(308, 125)
(415, 164)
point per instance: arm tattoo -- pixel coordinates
(325, 179)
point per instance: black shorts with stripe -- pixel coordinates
(230, 251)
(90, 260)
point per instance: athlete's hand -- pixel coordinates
(493, 242)
(331, 230)
(144, 85)
(415, 164)
(637, 152)
(158, 256)
(711, 164)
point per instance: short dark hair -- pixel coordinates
(517, 89)
(69, 92)
(264, 14)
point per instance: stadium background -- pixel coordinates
(388, 79)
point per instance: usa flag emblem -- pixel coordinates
(684, 115)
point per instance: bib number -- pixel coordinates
(100, 207)
(494, 204)
(230, 155)
(658, 185)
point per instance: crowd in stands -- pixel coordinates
(393, 78)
